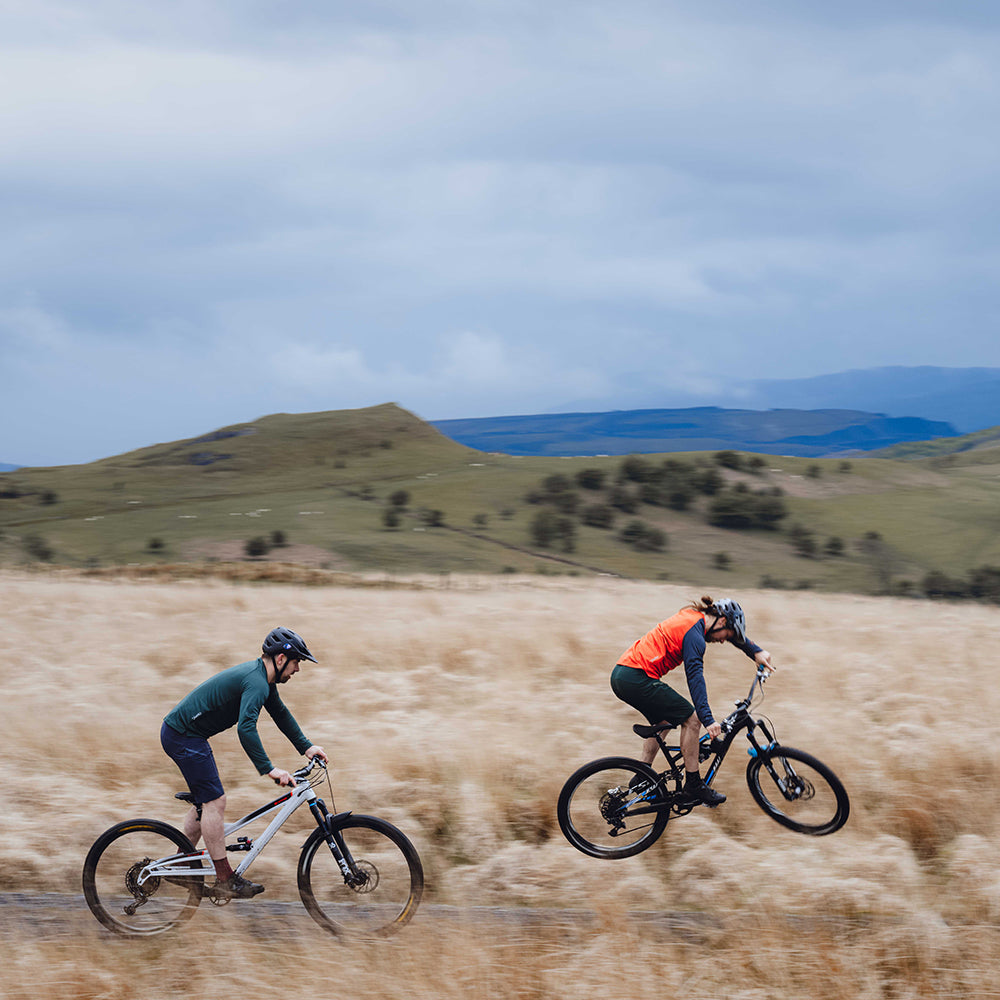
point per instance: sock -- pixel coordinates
(223, 869)
(693, 779)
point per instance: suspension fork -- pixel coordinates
(763, 754)
(334, 838)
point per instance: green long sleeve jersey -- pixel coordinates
(235, 697)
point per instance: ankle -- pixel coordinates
(693, 779)
(223, 870)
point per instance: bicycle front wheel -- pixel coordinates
(112, 886)
(798, 791)
(379, 894)
(608, 808)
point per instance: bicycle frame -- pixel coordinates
(190, 864)
(739, 720)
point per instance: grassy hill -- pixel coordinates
(322, 484)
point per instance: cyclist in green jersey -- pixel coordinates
(234, 697)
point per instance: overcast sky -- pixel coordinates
(215, 210)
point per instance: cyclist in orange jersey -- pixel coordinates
(638, 678)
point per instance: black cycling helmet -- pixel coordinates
(727, 608)
(284, 640)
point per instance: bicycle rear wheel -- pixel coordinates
(607, 808)
(810, 797)
(381, 894)
(111, 879)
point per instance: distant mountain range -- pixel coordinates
(806, 433)
(863, 410)
(966, 398)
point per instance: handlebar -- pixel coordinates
(303, 772)
(761, 675)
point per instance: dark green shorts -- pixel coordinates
(657, 701)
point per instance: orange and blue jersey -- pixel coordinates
(679, 639)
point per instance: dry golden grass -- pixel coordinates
(456, 708)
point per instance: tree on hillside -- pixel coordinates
(984, 583)
(637, 469)
(729, 460)
(881, 557)
(730, 510)
(38, 548)
(644, 537)
(598, 515)
(739, 508)
(257, 547)
(834, 546)
(590, 479)
(549, 529)
(803, 541)
(623, 499)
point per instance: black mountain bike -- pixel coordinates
(615, 807)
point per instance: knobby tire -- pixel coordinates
(110, 869)
(391, 878)
(817, 803)
(598, 813)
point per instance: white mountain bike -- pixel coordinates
(355, 874)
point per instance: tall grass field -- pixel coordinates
(456, 708)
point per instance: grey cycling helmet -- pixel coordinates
(727, 608)
(284, 640)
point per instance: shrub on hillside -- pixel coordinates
(591, 479)
(550, 529)
(598, 515)
(739, 508)
(257, 547)
(623, 499)
(637, 470)
(38, 548)
(729, 460)
(940, 586)
(644, 537)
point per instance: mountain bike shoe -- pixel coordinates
(234, 887)
(705, 795)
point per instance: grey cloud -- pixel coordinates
(562, 202)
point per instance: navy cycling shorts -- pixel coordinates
(194, 757)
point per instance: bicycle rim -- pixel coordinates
(600, 808)
(384, 889)
(111, 879)
(813, 800)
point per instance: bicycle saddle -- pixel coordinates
(646, 731)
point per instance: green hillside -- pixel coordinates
(378, 490)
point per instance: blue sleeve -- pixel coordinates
(693, 651)
(749, 647)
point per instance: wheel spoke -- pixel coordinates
(120, 890)
(609, 808)
(381, 891)
(798, 791)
